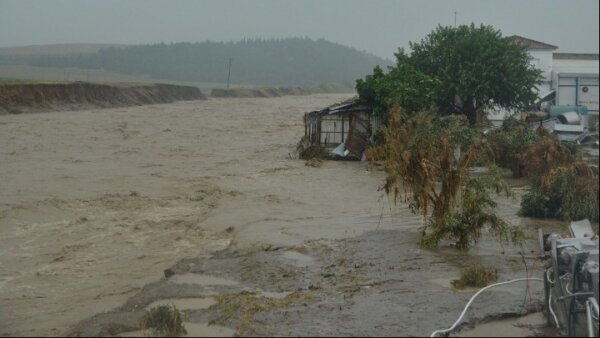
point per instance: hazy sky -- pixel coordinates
(377, 26)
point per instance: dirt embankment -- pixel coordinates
(42, 97)
(259, 92)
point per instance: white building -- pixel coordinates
(575, 76)
(542, 59)
(558, 71)
(574, 63)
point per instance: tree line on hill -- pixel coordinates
(289, 61)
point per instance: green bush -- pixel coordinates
(569, 198)
(563, 185)
(536, 203)
(465, 225)
(508, 142)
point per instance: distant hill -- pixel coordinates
(290, 61)
(58, 49)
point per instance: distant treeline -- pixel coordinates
(290, 61)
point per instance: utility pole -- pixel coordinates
(229, 73)
(454, 19)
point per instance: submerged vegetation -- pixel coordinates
(430, 156)
(509, 141)
(240, 308)
(163, 320)
(475, 276)
(308, 151)
(563, 184)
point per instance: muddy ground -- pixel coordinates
(95, 206)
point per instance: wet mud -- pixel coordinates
(376, 284)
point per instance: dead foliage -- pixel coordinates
(314, 162)
(163, 320)
(430, 157)
(307, 151)
(563, 184)
(509, 141)
(240, 308)
(475, 276)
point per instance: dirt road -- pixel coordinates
(94, 205)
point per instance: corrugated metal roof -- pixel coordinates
(344, 106)
(347, 106)
(530, 43)
(575, 56)
(582, 75)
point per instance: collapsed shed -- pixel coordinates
(343, 130)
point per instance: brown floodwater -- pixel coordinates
(95, 204)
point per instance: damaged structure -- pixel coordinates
(343, 130)
(571, 279)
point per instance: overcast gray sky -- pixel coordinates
(377, 26)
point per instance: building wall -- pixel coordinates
(542, 60)
(334, 129)
(579, 90)
(573, 66)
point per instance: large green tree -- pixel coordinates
(403, 85)
(464, 70)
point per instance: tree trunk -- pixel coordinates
(470, 111)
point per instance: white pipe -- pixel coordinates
(475, 296)
(590, 321)
(594, 304)
(548, 276)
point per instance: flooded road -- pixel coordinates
(95, 205)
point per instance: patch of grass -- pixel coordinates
(163, 320)
(314, 162)
(475, 276)
(240, 308)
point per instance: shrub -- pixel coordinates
(307, 151)
(465, 225)
(431, 157)
(508, 142)
(163, 320)
(563, 185)
(536, 203)
(475, 276)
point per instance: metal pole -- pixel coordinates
(590, 321)
(229, 73)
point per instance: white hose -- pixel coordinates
(548, 276)
(475, 296)
(552, 311)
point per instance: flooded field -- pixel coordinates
(95, 205)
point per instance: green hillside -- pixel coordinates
(291, 61)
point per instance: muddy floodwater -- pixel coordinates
(95, 205)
